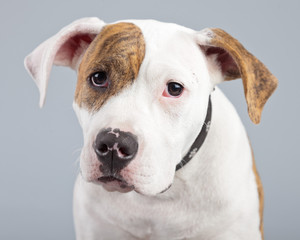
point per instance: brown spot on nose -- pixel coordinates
(118, 50)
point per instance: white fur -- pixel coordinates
(214, 196)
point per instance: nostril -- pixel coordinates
(124, 152)
(102, 149)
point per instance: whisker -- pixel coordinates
(77, 150)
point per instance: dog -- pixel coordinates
(165, 154)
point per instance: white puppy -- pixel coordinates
(165, 154)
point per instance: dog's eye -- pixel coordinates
(173, 89)
(99, 79)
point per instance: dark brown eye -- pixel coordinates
(99, 79)
(173, 89)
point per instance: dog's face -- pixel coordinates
(142, 94)
(151, 88)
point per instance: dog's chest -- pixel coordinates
(181, 216)
(152, 218)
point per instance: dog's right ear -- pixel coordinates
(63, 49)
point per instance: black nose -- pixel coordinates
(115, 149)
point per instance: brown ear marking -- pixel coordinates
(260, 195)
(119, 50)
(259, 83)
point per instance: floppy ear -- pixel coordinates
(63, 49)
(235, 61)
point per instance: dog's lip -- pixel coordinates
(166, 189)
(106, 179)
(113, 183)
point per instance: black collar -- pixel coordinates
(199, 140)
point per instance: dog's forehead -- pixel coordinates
(119, 49)
(163, 38)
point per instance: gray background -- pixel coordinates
(39, 149)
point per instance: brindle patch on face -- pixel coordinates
(119, 50)
(259, 83)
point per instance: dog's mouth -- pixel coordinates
(113, 183)
(107, 179)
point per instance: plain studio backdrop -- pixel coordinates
(39, 149)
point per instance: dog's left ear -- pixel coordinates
(234, 61)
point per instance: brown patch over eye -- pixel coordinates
(117, 51)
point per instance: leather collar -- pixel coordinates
(199, 140)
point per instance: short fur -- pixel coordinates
(218, 195)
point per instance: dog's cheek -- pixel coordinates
(89, 165)
(153, 185)
(153, 172)
(158, 184)
(172, 107)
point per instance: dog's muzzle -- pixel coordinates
(115, 149)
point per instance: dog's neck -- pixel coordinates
(227, 138)
(199, 139)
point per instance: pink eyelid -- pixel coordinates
(167, 94)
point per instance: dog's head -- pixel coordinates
(140, 83)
